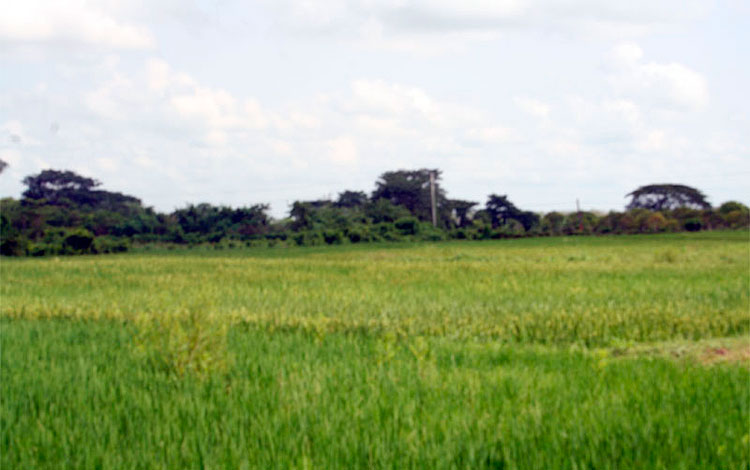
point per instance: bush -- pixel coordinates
(333, 237)
(358, 234)
(387, 232)
(737, 219)
(552, 223)
(13, 246)
(653, 223)
(429, 233)
(110, 245)
(407, 225)
(731, 206)
(693, 225)
(39, 249)
(510, 229)
(307, 238)
(459, 234)
(78, 241)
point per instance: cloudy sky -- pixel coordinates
(242, 102)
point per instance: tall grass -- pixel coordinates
(76, 395)
(457, 355)
(591, 291)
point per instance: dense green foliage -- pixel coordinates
(660, 197)
(64, 213)
(510, 354)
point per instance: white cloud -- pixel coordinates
(71, 21)
(434, 27)
(108, 164)
(389, 126)
(162, 98)
(625, 109)
(533, 107)
(627, 54)
(491, 135)
(671, 85)
(381, 97)
(107, 100)
(282, 148)
(145, 162)
(14, 133)
(342, 150)
(10, 156)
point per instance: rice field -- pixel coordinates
(577, 352)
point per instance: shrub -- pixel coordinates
(13, 246)
(626, 223)
(39, 249)
(299, 238)
(78, 241)
(307, 238)
(672, 226)
(654, 222)
(429, 233)
(357, 234)
(110, 245)
(608, 223)
(510, 229)
(407, 225)
(737, 219)
(693, 225)
(552, 223)
(333, 237)
(459, 234)
(387, 231)
(731, 206)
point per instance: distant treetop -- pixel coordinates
(657, 197)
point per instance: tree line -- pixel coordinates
(61, 212)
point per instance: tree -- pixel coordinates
(54, 185)
(461, 211)
(66, 188)
(411, 189)
(301, 213)
(382, 210)
(528, 219)
(351, 199)
(659, 197)
(3, 165)
(731, 206)
(501, 209)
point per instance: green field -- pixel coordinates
(580, 353)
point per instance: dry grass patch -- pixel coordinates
(733, 350)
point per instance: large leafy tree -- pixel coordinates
(54, 185)
(461, 211)
(71, 189)
(411, 189)
(501, 210)
(216, 222)
(351, 199)
(657, 197)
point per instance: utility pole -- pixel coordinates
(580, 216)
(432, 198)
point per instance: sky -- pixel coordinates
(271, 101)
